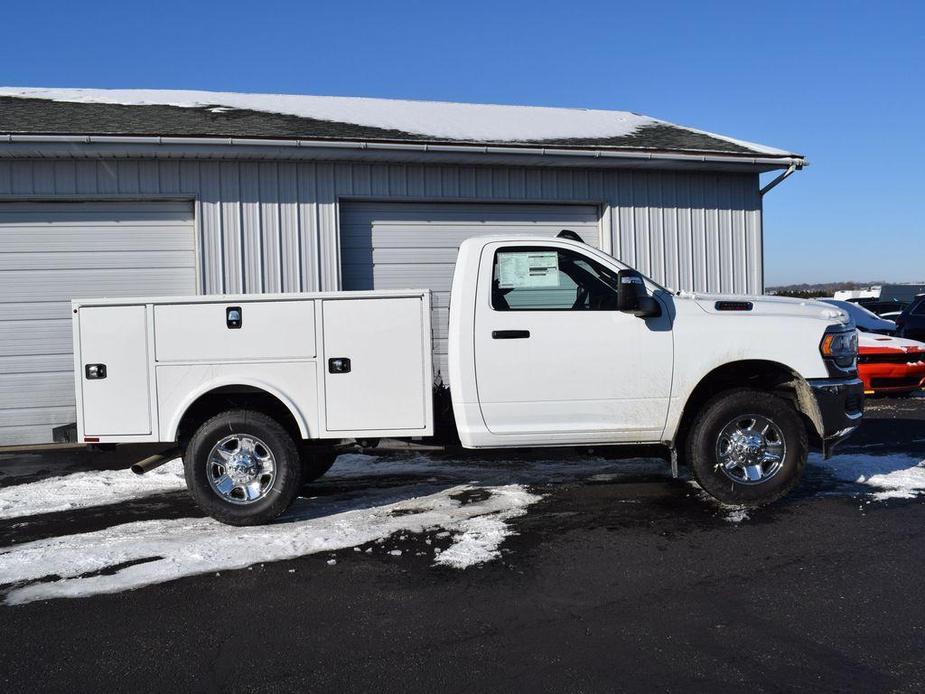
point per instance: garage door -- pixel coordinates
(53, 252)
(414, 245)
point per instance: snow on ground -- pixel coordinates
(885, 476)
(480, 536)
(364, 499)
(443, 120)
(470, 501)
(85, 489)
(736, 514)
(137, 554)
(882, 477)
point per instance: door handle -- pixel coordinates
(510, 334)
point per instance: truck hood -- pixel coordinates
(766, 306)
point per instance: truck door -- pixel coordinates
(555, 356)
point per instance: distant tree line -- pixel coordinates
(801, 293)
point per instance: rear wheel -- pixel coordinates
(747, 447)
(242, 468)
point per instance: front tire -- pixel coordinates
(747, 447)
(242, 468)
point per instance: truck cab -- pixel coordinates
(551, 343)
(542, 354)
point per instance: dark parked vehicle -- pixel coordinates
(881, 307)
(911, 322)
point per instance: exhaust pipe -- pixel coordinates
(151, 462)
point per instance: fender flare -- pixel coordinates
(804, 400)
(808, 404)
(215, 384)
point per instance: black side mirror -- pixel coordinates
(648, 308)
(633, 298)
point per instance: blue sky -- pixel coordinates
(843, 83)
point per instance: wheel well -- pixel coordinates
(763, 375)
(234, 397)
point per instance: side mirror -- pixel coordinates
(633, 298)
(648, 308)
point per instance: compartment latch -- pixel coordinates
(234, 317)
(95, 372)
(339, 365)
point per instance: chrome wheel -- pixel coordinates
(241, 469)
(750, 449)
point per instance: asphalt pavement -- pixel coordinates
(628, 582)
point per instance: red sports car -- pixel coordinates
(890, 364)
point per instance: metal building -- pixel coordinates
(146, 193)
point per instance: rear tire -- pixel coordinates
(747, 447)
(242, 468)
(316, 462)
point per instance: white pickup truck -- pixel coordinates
(548, 342)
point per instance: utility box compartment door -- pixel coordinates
(115, 338)
(383, 385)
(208, 332)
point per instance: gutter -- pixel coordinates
(792, 162)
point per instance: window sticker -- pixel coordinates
(528, 269)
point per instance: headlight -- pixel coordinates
(841, 346)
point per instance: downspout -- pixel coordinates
(779, 179)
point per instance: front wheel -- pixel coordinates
(747, 447)
(242, 468)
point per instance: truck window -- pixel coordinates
(551, 279)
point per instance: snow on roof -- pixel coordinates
(434, 119)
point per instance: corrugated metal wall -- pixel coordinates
(272, 225)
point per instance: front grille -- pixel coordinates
(895, 382)
(897, 358)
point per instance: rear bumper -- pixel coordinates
(841, 406)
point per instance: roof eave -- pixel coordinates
(19, 145)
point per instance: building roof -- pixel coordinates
(197, 114)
